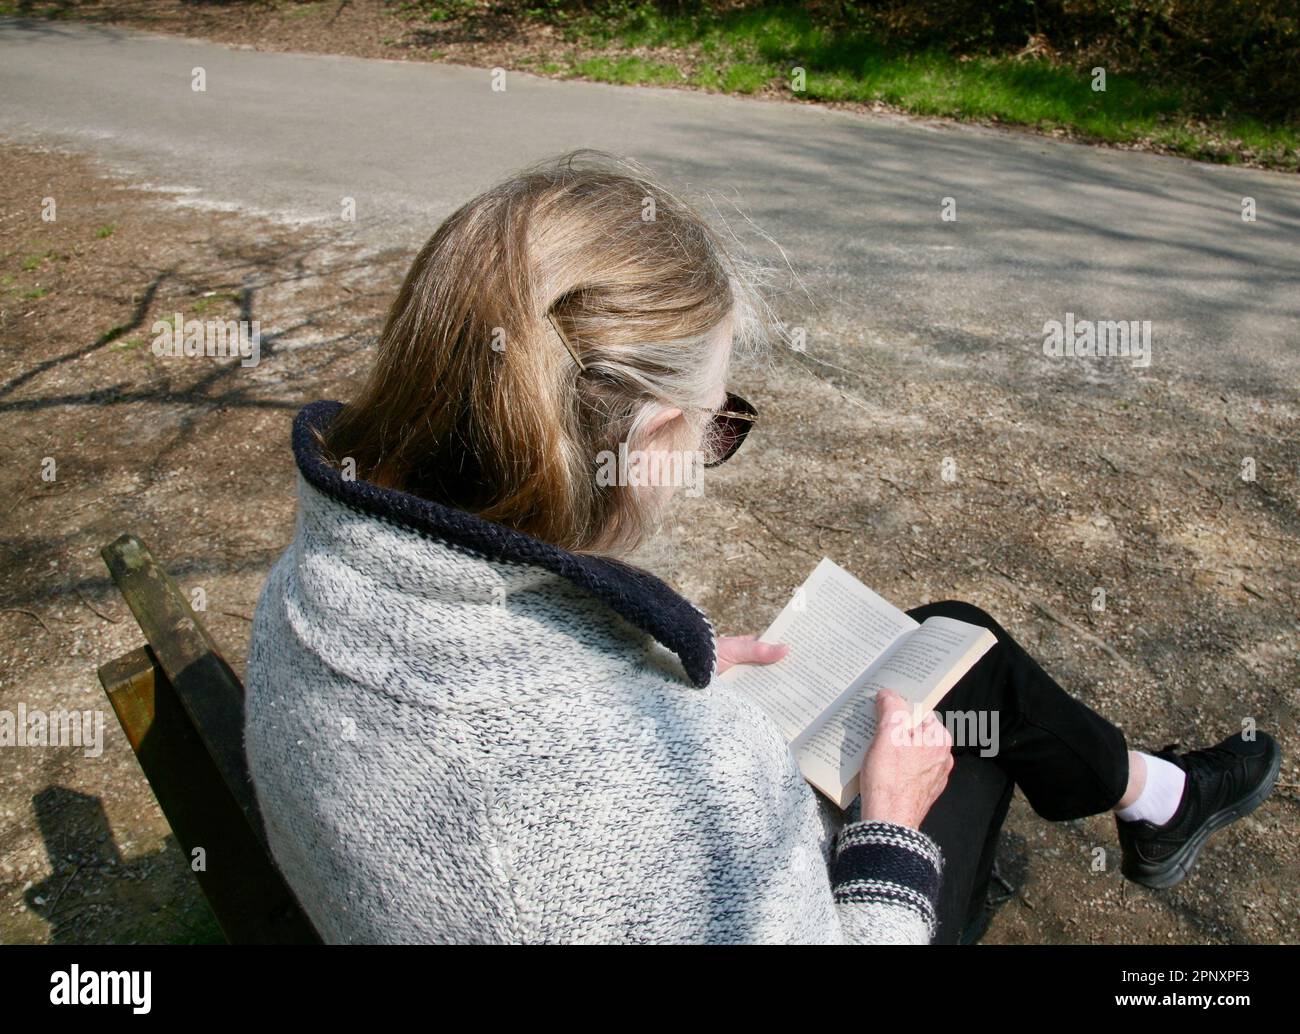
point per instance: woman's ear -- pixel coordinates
(664, 429)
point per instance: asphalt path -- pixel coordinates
(846, 206)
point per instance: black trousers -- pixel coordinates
(1067, 760)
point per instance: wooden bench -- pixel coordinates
(182, 709)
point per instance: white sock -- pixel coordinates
(1160, 796)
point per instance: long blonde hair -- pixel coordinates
(473, 400)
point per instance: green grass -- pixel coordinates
(201, 305)
(38, 259)
(438, 10)
(747, 51)
(628, 70)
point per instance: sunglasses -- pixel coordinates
(730, 426)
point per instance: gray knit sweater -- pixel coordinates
(459, 734)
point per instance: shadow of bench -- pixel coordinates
(182, 709)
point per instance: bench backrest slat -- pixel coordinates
(208, 690)
(248, 896)
(182, 709)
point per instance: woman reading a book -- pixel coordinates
(470, 718)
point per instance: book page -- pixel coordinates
(921, 667)
(917, 665)
(836, 627)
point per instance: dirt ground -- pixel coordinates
(1063, 479)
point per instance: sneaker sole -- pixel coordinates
(1176, 868)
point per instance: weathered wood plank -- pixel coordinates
(247, 894)
(207, 688)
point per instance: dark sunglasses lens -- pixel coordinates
(735, 404)
(729, 431)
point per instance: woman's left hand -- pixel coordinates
(746, 649)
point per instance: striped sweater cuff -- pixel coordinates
(885, 863)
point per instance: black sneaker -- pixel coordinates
(1224, 783)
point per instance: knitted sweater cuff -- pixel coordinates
(882, 863)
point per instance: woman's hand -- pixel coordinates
(746, 649)
(904, 770)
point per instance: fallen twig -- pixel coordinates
(778, 536)
(1064, 622)
(95, 610)
(55, 902)
(29, 613)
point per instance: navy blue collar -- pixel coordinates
(635, 595)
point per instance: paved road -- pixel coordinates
(1043, 228)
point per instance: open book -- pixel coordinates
(846, 643)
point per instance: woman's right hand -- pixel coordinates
(904, 770)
